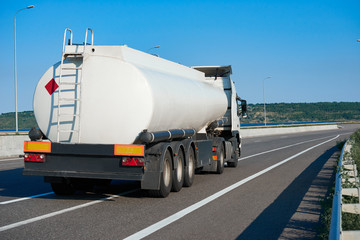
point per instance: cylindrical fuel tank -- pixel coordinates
(110, 94)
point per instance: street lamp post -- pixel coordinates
(153, 48)
(264, 97)
(15, 73)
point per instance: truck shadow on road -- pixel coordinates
(15, 185)
(302, 198)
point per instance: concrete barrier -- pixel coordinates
(256, 132)
(12, 145)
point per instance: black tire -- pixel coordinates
(189, 174)
(232, 164)
(178, 175)
(103, 182)
(220, 159)
(63, 188)
(165, 179)
(235, 159)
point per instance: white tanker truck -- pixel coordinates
(112, 112)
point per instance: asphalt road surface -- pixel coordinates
(274, 193)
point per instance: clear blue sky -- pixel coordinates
(309, 47)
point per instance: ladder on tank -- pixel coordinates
(71, 51)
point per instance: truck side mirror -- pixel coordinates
(243, 108)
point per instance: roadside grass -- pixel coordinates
(352, 221)
(355, 150)
(325, 217)
(326, 204)
(349, 221)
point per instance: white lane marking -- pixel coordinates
(25, 198)
(163, 223)
(42, 217)
(276, 149)
(10, 159)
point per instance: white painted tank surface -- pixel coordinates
(123, 91)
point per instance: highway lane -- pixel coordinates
(281, 203)
(11, 163)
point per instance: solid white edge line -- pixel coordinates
(163, 223)
(25, 198)
(35, 219)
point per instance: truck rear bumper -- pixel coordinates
(80, 166)
(91, 161)
(92, 175)
(79, 161)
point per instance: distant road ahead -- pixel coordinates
(274, 192)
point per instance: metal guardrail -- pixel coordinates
(335, 225)
(338, 207)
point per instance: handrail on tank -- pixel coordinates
(71, 36)
(92, 36)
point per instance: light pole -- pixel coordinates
(153, 48)
(264, 97)
(15, 74)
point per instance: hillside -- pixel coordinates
(304, 112)
(26, 120)
(275, 112)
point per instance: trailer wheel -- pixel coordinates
(178, 176)
(63, 188)
(165, 179)
(190, 169)
(220, 159)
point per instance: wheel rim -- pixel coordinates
(166, 172)
(191, 165)
(179, 170)
(222, 157)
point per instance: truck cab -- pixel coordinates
(220, 76)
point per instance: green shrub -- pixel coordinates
(355, 150)
(352, 221)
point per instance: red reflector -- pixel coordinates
(51, 86)
(137, 162)
(214, 149)
(29, 157)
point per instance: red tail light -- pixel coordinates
(31, 157)
(129, 161)
(214, 149)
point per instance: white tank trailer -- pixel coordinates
(113, 112)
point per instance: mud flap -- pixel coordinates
(154, 158)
